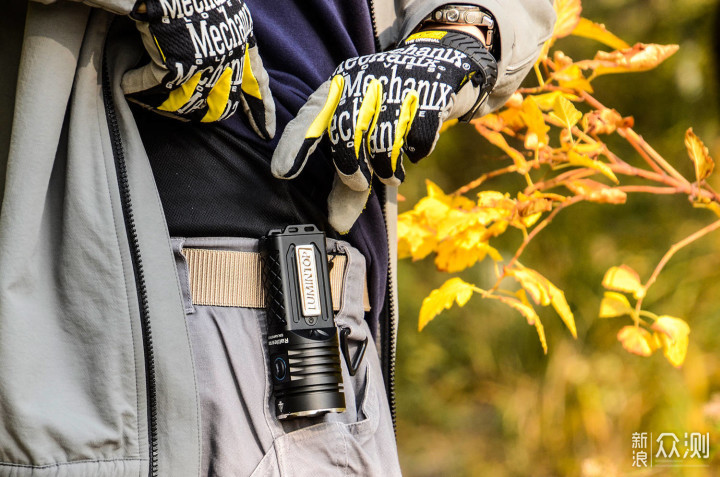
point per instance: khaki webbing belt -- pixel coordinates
(228, 278)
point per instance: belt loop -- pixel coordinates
(183, 274)
(354, 282)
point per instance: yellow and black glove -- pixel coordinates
(376, 107)
(204, 63)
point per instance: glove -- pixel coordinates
(376, 107)
(204, 63)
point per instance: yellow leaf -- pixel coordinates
(523, 306)
(713, 206)
(557, 298)
(512, 118)
(414, 240)
(572, 77)
(568, 16)
(583, 161)
(609, 195)
(541, 335)
(463, 250)
(597, 31)
(527, 206)
(636, 340)
(596, 191)
(623, 279)
(673, 336)
(526, 310)
(614, 304)
(457, 221)
(544, 293)
(588, 149)
(699, 155)
(565, 112)
(534, 284)
(496, 229)
(546, 101)
(454, 290)
(605, 121)
(533, 118)
(640, 57)
(434, 190)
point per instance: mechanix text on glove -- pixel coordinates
(376, 107)
(204, 63)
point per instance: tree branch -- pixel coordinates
(669, 254)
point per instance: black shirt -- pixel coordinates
(215, 180)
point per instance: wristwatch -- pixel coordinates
(466, 15)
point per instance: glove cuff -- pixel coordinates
(487, 70)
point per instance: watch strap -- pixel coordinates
(485, 61)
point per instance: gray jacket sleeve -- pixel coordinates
(523, 26)
(121, 7)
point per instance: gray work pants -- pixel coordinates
(241, 435)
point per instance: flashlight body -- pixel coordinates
(301, 333)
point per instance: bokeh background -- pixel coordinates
(476, 395)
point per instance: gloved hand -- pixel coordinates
(376, 107)
(204, 63)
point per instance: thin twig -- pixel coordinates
(533, 233)
(668, 255)
(574, 174)
(638, 143)
(488, 175)
(650, 189)
(634, 138)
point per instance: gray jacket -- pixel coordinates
(96, 373)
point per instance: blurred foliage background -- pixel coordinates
(476, 395)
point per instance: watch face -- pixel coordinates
(473, 17)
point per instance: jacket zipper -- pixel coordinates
(389, 325)
(371, 8)
(127, 209)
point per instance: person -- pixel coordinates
(142, 163)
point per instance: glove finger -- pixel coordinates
(218, 99)
(302, 134)
(255, 92)
(345, 205)
(387, 156)
(351, 158)
(422, 137)
(148, 76)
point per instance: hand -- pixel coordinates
(376, 107)
(204, 63)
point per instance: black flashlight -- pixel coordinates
(301, 332)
